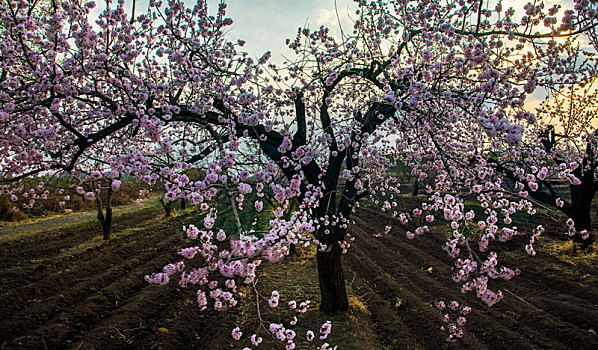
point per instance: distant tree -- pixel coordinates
(99, 188)
(562, 148)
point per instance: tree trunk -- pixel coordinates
(332, 281)
(581, 200)
(330, 268)
(107, 228)
(167, 207)
(105, 219)
(183, 204)
(294, 205)
(107, 224)
(415, 188)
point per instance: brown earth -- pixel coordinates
(553, 304)
(97, 298)
(57, 294)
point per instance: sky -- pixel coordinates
(266, 24)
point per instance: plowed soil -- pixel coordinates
(57, 297)
(98, 299)
(552, 304)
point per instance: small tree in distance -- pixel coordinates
(437, 82)
(564, 139)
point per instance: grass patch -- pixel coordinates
(356, 304)
(572, 253)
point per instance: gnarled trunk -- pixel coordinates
(332, 280)
(581, 201)
(330, 269)
(107, 225)
(415, 188)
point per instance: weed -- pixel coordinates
(357, 304)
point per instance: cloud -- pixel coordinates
(335, 20)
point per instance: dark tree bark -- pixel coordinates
(294, 205)
(183, 204)
(332, 281)
(581, 198)
(330, 270)
(582, 195)
(107, 226)
(415, 188)
(167, 206)
(105, 219)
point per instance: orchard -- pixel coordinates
(277, 158)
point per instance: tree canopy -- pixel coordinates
(438, 85)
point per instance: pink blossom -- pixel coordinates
(236, 333)
(259, 205)
(584, 234)
(115, 185)
(170, 269)
(202, 301)
(530, 250)
(157, 278)
(574, 180)
(273, 301)
(325, 330)
(255, 340)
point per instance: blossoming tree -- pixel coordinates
(561, 147)
(434, 82)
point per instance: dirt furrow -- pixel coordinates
(577, 307)
(25, 263)
(423, 290)
(95, 294)
(529, 319)
(61, 264)
(47, 244)
(92, 268)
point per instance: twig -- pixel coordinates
(522, 300)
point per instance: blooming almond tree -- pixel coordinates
(434, 82)
(562, 147)
(92, 188)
